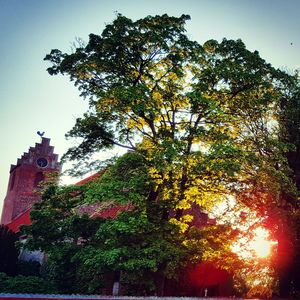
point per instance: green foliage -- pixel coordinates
(289, 116)
(140, 245)
(56, 219)
(28, 268)
(135, 247)
(24, 284)
(61, 232)
(84, 250)
(202, 124)
(202, 116)
(213, 244)
(125, 181)
(67, 274)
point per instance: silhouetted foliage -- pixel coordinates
(24, 284)
(8, 251)
(28, 268)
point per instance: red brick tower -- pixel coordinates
(24, 179)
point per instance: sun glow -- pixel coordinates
(259, 245)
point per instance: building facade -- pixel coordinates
(25, 176)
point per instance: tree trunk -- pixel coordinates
(116, 284)
(160, 284)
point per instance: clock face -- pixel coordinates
(42, 162)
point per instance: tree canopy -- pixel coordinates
(138, 246)
(204, 119)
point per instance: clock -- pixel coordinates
(42, 162)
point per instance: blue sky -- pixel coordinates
(32, 100)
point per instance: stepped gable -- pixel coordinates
(31, 169)
(41, 150)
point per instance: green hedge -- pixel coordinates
(24, 284)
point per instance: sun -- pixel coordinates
(261, 244)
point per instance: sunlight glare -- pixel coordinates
(261, 244)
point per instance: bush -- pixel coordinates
(24, 284)
(28, 268)
(8, 251)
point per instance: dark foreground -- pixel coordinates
(99, 297)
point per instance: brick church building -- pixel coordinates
(25, 177)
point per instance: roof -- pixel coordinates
(88, 179)
(22, 219)
(112, 212)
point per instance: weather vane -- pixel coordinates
(41, 134)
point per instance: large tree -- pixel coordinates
(134, 245)
(202, 116)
